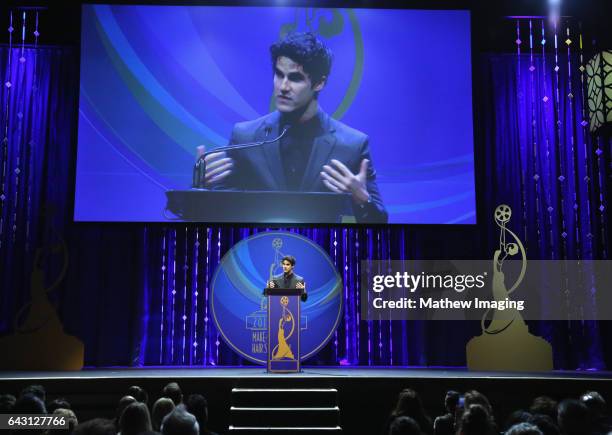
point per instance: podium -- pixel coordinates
(283, 330)
(244, 207)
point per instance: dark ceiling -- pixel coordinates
(59, 21)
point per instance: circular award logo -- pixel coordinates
(239, 307)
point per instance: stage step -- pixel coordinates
(283, 411)
(275, 398)
(236, 430)
(291, 416)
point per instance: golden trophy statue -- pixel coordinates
(505, 343)
(39, 341)
(282, 349)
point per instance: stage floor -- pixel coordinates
(307, 372)
(95, 392)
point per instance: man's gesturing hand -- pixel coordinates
(338, 178)
(218, 166)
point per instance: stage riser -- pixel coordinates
(287, 417)
(280, 431)
(285, 408)
(284, 398)
(95, 397)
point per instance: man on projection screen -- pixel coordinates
(315, 154)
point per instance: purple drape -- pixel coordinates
(544, 163)
(37, 99)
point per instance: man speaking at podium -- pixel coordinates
(301, 147)
(288, 279)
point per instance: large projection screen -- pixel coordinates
(157, 82)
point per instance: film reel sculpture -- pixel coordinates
(39, 341)
(502, 320)
(506, 343)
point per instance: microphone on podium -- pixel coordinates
(199, 169)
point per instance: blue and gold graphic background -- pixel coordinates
(236, 291)
(157, 81)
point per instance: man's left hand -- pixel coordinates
(338, 178)
(300, 285)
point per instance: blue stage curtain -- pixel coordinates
(121, 278)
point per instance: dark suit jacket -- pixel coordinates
(279, 282)
(260, 168)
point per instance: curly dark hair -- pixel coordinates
(289, 258)
(307, 50)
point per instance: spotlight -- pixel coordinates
(554, 10)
